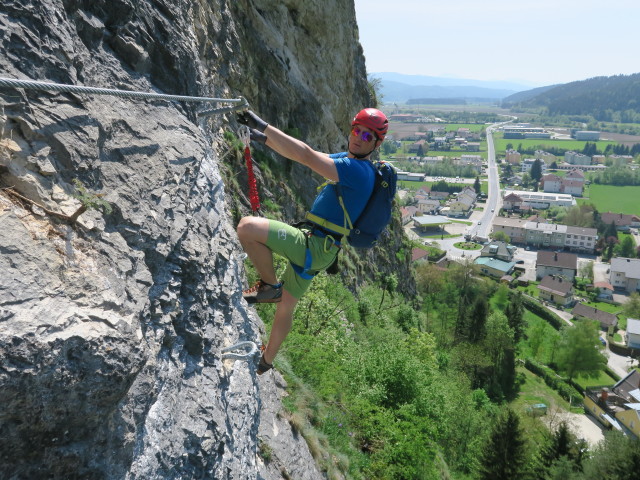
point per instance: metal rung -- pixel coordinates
(228, 352)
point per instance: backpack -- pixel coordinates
(377, 212)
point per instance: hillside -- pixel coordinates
(612, 98)
(112, 328)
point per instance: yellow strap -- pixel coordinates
(327, 224)
(347, 219)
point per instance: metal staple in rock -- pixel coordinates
(228, 353)
(60, 87)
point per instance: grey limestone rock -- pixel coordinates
(111, 328)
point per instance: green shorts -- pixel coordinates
(291, 243)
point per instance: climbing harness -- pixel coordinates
(245, 136)
(233, 352)
(60, 87)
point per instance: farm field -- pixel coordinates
(543, 143)
(612, 198)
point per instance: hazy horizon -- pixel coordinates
(536, 44)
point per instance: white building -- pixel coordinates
(633, 333)
(625, 273)
(543, 200)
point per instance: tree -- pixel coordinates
(536, 170)
(632, 307)
(500, 236)
(476, 186)
(627, 247)
(616, 457)
(505, 455)
(586, 270)
(562, 445)
(477, 320)
(579, 350)
(500, 348)
(515, 317)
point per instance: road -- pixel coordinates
(494, 200)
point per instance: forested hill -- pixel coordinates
(603, 98)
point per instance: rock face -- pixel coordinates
(111, 328)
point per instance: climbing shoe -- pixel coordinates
(263, 292)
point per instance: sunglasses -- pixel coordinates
(365, 136)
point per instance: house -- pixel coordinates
(547, 157)
(511, 201)
(551, 183)
(428, 206)
(513, 227)
(605, 319)
(571, 187)
(575, 175)
(438, 195)
(461, 206)
(621, 221)
(546, 235)
(493, 267)
(415, 147)
(556, 290)
(513, 157)
(500, 250)
(407, 213)
(605, 291)
(625, 274)
(556, 263)
(575, 158)
(542, 200)
(581, 239)
(473, 147)
(419, 255)
(619, 406)
(633, 333)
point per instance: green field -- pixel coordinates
(473, 127)
(544, 144)
(611, 198)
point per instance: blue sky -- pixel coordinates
(538, 42)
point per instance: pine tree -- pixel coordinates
(505, 455)
(478, 320)
(476, 186)
(515, 316)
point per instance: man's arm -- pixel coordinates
(300, 152)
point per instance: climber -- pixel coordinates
(308, 247)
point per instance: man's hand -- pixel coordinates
(253, 121)
(257, 136)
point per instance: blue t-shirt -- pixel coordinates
(355, 177)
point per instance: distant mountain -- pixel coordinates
(402, 92)
(422, 80)
(615, 98)
(518, 98)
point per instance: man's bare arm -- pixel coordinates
(300, 152)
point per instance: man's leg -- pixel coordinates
(253, 233)
(282, 323)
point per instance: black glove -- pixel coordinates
(251, 120)
(257, 136)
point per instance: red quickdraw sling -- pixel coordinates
(253, 186)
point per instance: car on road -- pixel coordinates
(493, 210)
(602, 341)
(520, 262)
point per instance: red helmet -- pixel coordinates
(373, 119)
